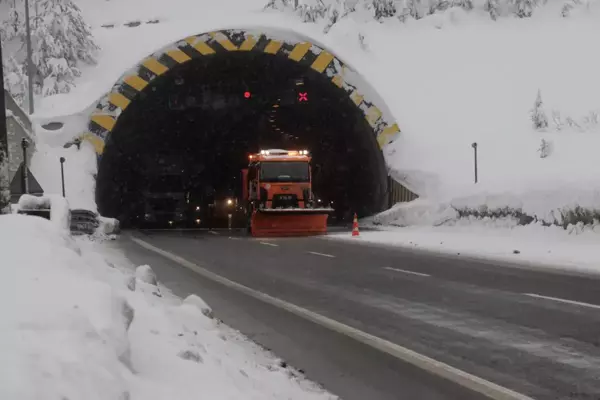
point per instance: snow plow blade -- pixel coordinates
(286, 222)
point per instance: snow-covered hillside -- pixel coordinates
(451, 79)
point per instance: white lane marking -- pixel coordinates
(234, 238)
(214, 232)
(577, 303)
(321, 254)
(269, 244)
(471, 382)
(405, 271)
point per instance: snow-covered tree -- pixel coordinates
(545, 148)
(538, 115)
(492, 8)
(60, 41)
(571, 5)
(464, 4)
(557, 120)
(438, 5)
(523, 8)
(15, 80)
(383, 8)
(410, 8)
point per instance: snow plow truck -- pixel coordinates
(277, 191)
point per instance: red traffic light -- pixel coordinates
(247, 95)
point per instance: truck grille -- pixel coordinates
(285, 201)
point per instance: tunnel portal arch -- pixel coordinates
(292, 46)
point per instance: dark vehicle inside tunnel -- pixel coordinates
(201, 119)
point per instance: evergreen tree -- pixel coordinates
(15, 79)
(60, 41)
(545, 148)
(409, 8)
(438, 5)
(523, 8)
(383, 8)
(538, 115)
(557, 120)
(464, 4)
(492, 7)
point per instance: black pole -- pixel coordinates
(4, 175)
(62, 175)
(24, 171)
(474, 145)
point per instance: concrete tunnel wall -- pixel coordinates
(276, 42)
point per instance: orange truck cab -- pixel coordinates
(278, 194)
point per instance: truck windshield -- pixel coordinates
(284, 171)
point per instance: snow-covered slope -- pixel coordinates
(450, 79)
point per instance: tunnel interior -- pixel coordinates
(191, 131)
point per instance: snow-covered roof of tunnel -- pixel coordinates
(156, 40)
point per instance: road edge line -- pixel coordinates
(462, 378)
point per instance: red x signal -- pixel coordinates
(302, 96)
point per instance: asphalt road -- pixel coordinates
(537, 333)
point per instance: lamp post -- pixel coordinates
(24, 177)
(4, 175)
(62, 175)
(30, 69)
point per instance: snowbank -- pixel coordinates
(58, 206)
(76, 326)
(561, 206)
(62, 327)
(80, 168)
(547, 247)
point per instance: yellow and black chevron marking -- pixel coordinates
(104, 118)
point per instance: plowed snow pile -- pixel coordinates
(75, 327)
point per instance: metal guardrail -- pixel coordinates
(398, 193)
(43, 213)
(84, 222)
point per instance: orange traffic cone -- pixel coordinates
(355, 226)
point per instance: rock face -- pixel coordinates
(19, 127)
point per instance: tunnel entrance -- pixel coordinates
(180, 145)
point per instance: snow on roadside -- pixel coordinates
(547, 247)
(80, 168)
(76, 325)
(58, 206)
